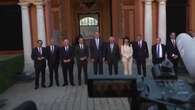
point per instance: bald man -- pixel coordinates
(158, 52)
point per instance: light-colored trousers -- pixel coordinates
(127, 66)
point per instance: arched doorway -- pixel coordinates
(176, 16)
(93, 15)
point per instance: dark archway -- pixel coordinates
(10, 28)
(176, 16)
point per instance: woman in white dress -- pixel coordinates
(127, 56)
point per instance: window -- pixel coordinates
(88, 24)
(88, 21)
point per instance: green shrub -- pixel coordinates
(9, 67)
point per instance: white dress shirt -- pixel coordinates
(159, 52)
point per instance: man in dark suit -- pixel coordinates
(39, 56)
(112, 55)
(67, 61)
(81, 53)
(158, 52)
(172, 51)
(53, 57)
(140, 53)
(97, 53)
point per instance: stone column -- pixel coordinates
(162, 30)
(41, 22)
(148, 24)
(27, 44)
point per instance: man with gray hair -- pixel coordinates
(67, 61)
(53, 57)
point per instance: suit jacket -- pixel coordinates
(36, 54)
(53, 57)
(65, 55)
(171, 49)
(154, 52)
(96, 52)
(112, 55)
(79, 53)
(140, 54)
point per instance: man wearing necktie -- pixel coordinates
(97, 53)
(158, 52)
(112, 55)
(53, 57)
(39, 56)
(140, 53)
(67, 61)
(81, 54)
(172, 51)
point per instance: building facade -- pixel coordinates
(56, 19)
(46, 19)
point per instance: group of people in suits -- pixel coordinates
(161, 51)
(98, 52)
(55, 55)
(129, 51)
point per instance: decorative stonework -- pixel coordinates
(39, 4)
(32, 1)
(162, 2)
(24, 4)
(148, 2)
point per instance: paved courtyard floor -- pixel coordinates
(63, 98)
